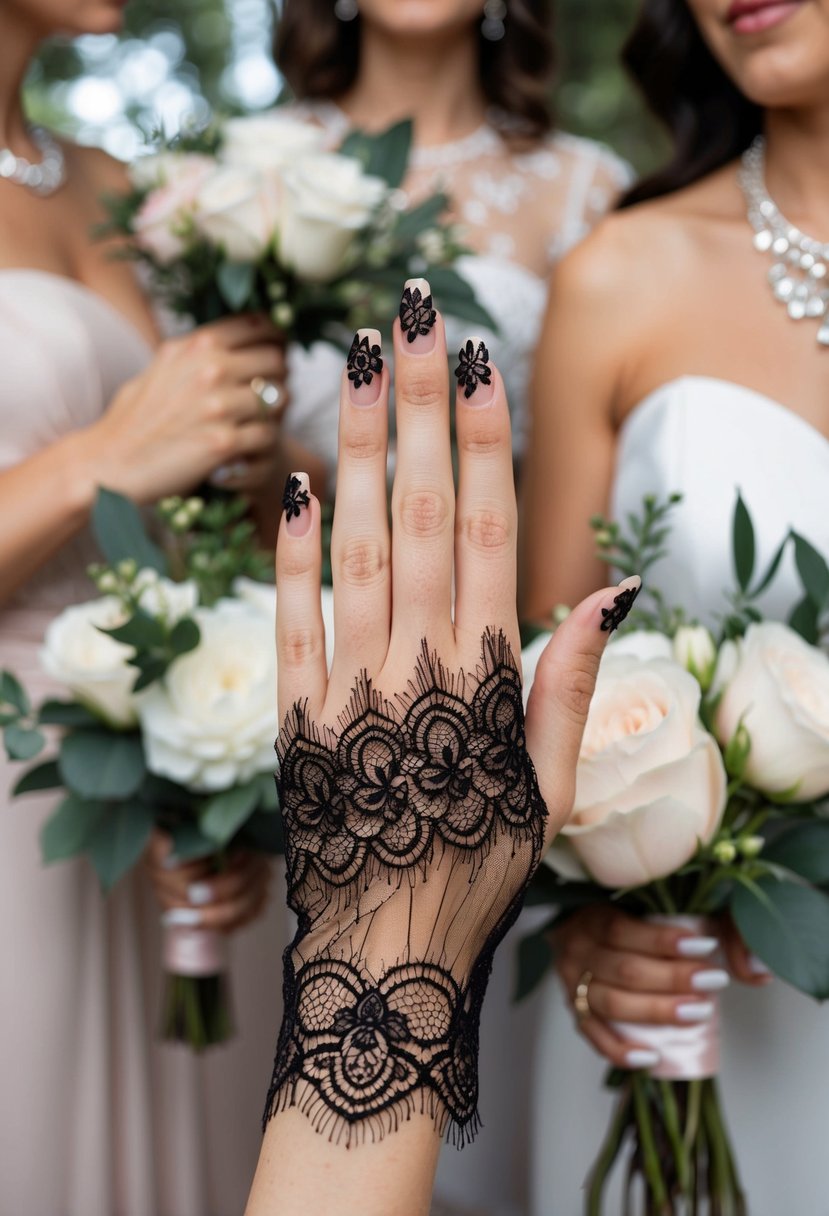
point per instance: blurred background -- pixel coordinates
(179, 60)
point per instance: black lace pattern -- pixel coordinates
(402, 829)
(622, 604)
(473, 367)
(365, 361)
(294, 498)
(417, 314)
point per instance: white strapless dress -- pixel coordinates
(704, 438)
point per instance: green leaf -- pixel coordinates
(803, 849)
(418, 219)
(268, 797)
(66, 713)
(22, 742)
(101, 764)
(65, 834)
(535, 957)
(120, 532)
(236, 281)
(150, 670)
(743, 543)
(43, 777)
(263, 832)
(771, 569)
(224, 813)
(141, 631)
(385, 155)
(804, 620)
(185, 636)
(457, 298)
(189, 842)
(13, 693)
(787, 926)
(118, 839)
(813, 571)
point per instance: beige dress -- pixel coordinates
(96, 1117)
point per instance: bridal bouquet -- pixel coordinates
(255, 215)
(169, 722)
(699, 792)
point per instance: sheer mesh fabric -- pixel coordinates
(412, 830)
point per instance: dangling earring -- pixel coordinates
(492, 26)
(346, 10)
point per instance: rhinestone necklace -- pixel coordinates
(798, 274)
(43, 178)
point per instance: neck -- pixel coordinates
(433, 81)
(797, 167)
(19, 42)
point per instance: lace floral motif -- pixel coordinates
(294, 498)
(411, 832)
(622, 604)
(364, 361)
(473, 367)
(417, 316)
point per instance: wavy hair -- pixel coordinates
(319, 57)
(710, 121)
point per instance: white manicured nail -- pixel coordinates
(757, 967)
(183, 918)
(695, 1011)
(200, 893)
(710, 981)
(696, 947)
(170, 862)
(640, 1058)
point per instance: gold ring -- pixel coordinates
(270, 395)
(581, 1002)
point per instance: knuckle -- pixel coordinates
(365, 446)
(487, 530)
(572, 682)
(423, 513)
(298, 646)
(630, 971)
(204, 342)
(222, 443)
(423, 392)
(211, 373)
(482, 441)
(362, 562)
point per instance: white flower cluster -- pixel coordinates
(272, 187)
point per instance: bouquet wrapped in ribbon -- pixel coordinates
(169, 722)
(256, 215)
(700, 792)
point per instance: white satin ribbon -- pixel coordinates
(196, 952)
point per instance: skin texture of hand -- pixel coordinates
(393, 587)
(643, 972)
(226, 901)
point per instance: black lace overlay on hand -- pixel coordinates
(411, 832)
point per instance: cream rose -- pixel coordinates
(163, 223)
(696, 651)
(777, 685)
(164, 599)
(171, 168)
(639, 644)
(650, 782)
(327, 199)
(268, 141)
(263, 597)
(236, 210)
(93, 666)
(211, 722)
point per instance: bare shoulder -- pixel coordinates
(99, 171)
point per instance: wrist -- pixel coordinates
(80, 474)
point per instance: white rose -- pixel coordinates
(696, 651)
(268, 141)
(778, 686)
(164, 599)
(263, 597)
(236, 210)
(211, 722)
(171, 168)
(92, 665)
(639, 644)
(650, 783)
(327, 199)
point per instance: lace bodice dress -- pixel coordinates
(705, 438)
(519, 211)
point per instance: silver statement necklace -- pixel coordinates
(43, 178)
(798, 273)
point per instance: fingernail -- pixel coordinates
(365, 363)
(710, 981)
(183, 918)
(695, 1011)
(757, 967)
(227, 472)
(473, 372)
(200, 893)
(626, 593)
(417, 317)
(296, 499)
(640, 1058)
(696, 947)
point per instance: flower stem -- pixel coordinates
(650, 1157)
(608, 1154)
(671, 1115)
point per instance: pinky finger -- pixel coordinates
(300, 633)
(620, 1052)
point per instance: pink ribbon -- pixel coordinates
(196, 952)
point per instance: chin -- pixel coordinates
(785, 77)
(423, 17)
(785, 64)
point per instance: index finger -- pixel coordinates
(243, 330)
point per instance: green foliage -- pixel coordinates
(535, 957)
(803, 849)
(742, 544)
(102, 765)
(120, 532)
(223, 814)
(118, 840)
(44, 776)
(786, 924)
(67, 831)
(385, 155)
(214, 543)
(22, 742)
(636, 550)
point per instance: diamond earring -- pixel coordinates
(346, 10)
(492, 26)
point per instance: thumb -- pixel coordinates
(565, 680)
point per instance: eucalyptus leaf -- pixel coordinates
(22, 742)
(743, 544)
(236, 281)
(804, 619)
(224, 813)
(120, 532)
(118, 839)
(771, 570)
(813, 571)
(185, 636)
(385, 155)
(66, 832)
(786, 925)
(535, 957)
(189, 842)
(44, 776)
(803, 849)
(141, 631)
(66, 713)
(13, 693)
(101, 764)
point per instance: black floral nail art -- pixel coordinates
(622, 604)
(294, 498)
(417, 316)
(364, 361)
(473, 367)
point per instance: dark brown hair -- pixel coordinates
(319, 57)
(710, 121)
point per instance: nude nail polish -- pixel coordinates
(417, 317)
(696, 947)
(365, 367)
(615, 613)
(183, 918)
(710, 981)
(639, 1057)
(474, 374)
(695, 1011)
(296, 500)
